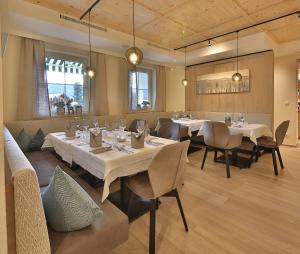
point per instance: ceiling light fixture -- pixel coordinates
(134, 55)
(89, 71)
(237, 77)
(185, 81)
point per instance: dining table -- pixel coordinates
(251, 130)
(192, 124)
(111, 161)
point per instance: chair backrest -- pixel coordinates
(169, 130)
(281, 132)
(167, 167)
(216, 134)
(162, 120)
(132, 126)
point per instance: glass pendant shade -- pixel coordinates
(134, 55)
(237, 77)
(184, 82)
(90, 72)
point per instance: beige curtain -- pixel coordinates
(98, 90)
(32, 89)
(160, 91)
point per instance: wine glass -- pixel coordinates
(77, 122)
(85, 125)
(147, 132)
(96, 122)
(122, 124)
(140, 126)
(242, 118)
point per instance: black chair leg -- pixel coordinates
(216, 155)
(204, 158)
(157, 203)
(257, 153)
(252, 156)
(152, 226)
(227, 163)
(279, 157)
(274, 162)
(181, 211)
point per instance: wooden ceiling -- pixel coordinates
(174, 23)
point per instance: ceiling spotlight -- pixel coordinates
(211, 43)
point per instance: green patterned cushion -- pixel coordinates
(23, 140)
(67, 206)
(38, 140)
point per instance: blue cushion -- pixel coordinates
(23, 140)
(38, 140)
(67, 205)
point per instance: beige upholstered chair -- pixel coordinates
(162, 179)
(132, 126)
(268, 144)
(183, 131)
(218, 138)
(169, 130)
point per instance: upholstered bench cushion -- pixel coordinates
(102, 236)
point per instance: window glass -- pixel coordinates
(67, 85)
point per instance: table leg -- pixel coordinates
(122, 192)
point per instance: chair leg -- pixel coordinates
(216, 155)
(256, 154)
(274, 162)
(252, 156)
(279, 157)
(181, 211)
(152, 226)
(157, 203)
(204, 158)
(227, 163)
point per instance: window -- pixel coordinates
(140, 89)
(68, 87)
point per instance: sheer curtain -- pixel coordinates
(33, 100)
(160, 91)
(124, 85)
(99, 100)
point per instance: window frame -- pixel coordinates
(71, 56)
(150, 72)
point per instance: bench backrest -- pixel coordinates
(26, 218)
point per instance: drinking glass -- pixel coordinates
(85, 125)
(77, 122)
(147, 132)
(140, 126)
(96, 122)
(242, 118)
(122, 124)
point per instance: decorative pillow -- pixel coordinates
(38, 140)
(67, 206)
(23, 140)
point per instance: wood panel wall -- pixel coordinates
(260, 99)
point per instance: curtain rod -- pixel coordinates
(227, 58)
(241, 29)
(89, 9)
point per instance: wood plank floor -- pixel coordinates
(253, 212)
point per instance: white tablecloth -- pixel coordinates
(192, 124)
(252, 131)
(108, 165)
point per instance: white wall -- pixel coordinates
(285, 95)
